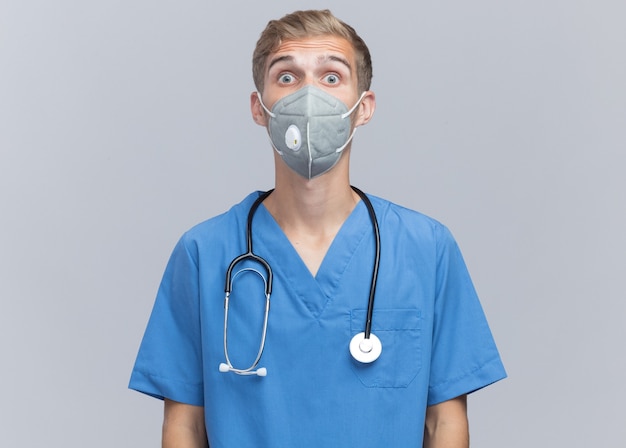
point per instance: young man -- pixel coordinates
(313, 374)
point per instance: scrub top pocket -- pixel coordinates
(399, 331)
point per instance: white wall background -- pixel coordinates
(123, 123)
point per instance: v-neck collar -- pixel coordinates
(315, 292)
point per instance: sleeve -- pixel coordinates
(464, 355)
(169, 362)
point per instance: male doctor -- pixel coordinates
(312, 73)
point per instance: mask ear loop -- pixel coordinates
(347, 114)
(272, 115)
(269, 112)
(353, 107)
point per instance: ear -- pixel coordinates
(366, 109)
(258, 113)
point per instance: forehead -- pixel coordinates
(320, 48)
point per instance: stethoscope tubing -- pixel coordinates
(250, 255)
(370, 302)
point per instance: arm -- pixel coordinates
(183, 426)
(446, 424)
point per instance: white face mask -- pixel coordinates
(310, 129)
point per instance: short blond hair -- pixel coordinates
(304, 24)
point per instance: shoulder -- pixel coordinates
(216, 230)
(236, 213)
(395, 218)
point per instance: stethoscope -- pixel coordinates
(365, 347)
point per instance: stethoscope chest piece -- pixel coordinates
(365, 350)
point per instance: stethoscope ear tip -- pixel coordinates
(224, 368)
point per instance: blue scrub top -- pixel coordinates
(436, 341)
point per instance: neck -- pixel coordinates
(311, 212)
(315, 205)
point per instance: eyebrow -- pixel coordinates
(279, 59)
(321, 59)
(339, 59)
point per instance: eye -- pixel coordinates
(286, 78)
(331, 78)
